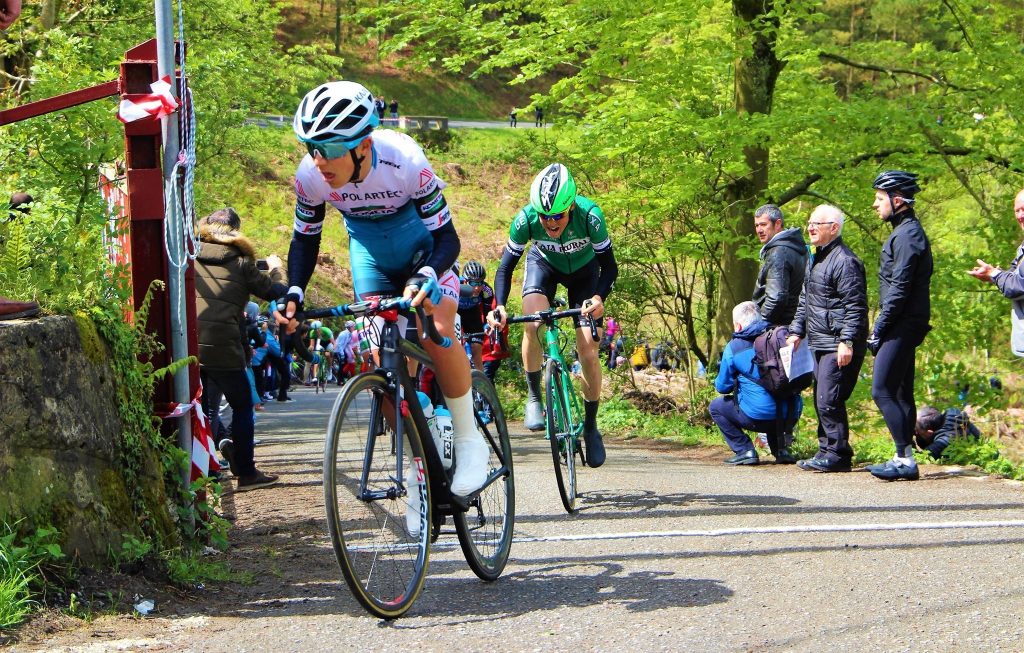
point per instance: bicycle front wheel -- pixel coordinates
(380, 527)
(560, 434)
(485, 530)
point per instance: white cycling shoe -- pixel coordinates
(471, 456)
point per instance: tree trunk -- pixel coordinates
(755, 74)
(337, 26)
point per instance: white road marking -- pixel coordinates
(811, 528)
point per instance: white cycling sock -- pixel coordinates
(463, 416)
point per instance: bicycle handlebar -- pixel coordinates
(550, 315)
(373, 307)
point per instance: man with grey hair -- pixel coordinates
(748, 406)
(783, 260)
(832, 316)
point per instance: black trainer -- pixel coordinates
(254, 481)
(227, 449)
(745, 458)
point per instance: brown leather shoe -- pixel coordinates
(11, 309)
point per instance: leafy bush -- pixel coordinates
(21, 561)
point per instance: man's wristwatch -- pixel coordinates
(848, 343)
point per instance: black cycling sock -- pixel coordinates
(590, 415)
(533, 385)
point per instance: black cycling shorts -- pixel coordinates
(472, 325)
(543, 279)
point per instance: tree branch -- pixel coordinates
(892, 72)
(802, 186)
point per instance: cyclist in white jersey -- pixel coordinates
(400, 235)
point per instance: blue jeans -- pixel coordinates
(732, 422)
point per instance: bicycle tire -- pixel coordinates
(559, 428)
(485, 530)
(383, 562)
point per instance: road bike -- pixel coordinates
(564, 417)
(385, 486)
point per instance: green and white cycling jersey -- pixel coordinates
(584, 236)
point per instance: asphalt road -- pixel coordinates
(671, 551)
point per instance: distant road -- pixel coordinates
(283, 121)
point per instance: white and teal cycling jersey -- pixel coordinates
(389, 215)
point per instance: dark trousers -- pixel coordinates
(833, 386)
(234, 385)
(892, 386)
(732, 422)
(284, 379)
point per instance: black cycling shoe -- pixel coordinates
(895, 470)
(594, 447)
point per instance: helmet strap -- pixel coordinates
(357, 164)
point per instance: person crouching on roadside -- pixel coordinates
(226, 274)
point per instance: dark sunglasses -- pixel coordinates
(552, 218)
(476, 283)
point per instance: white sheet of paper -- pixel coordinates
(801, 363)
(786, 355)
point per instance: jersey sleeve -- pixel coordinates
(309, 200)
(519, 234)
(598, 230)
(426, 189)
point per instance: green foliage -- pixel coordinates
(133, 550)
(22, 559)
(983, 452)
(188, 569)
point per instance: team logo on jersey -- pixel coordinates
(595, 221)
(426, 176)
(308, 227)
(304, 211)
(301, 192)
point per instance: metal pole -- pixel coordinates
(174, 228)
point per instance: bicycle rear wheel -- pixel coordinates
(560, 427)
(485, 530)
(380, 534)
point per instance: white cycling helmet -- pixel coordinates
(316, 324)
(336, 111)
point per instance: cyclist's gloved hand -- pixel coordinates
(423, 287)
(593, 307)
(293, 301)
(497, 317)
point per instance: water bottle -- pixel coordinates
(428, 413)
(444, 436)
(433, 422)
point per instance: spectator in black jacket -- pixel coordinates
(1010, 281)
(832, 316)
(783, 260)
(904, 279)
(934, 430)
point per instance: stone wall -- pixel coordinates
(59, 437)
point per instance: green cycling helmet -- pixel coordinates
(553, 190)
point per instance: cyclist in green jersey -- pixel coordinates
(570, 247)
